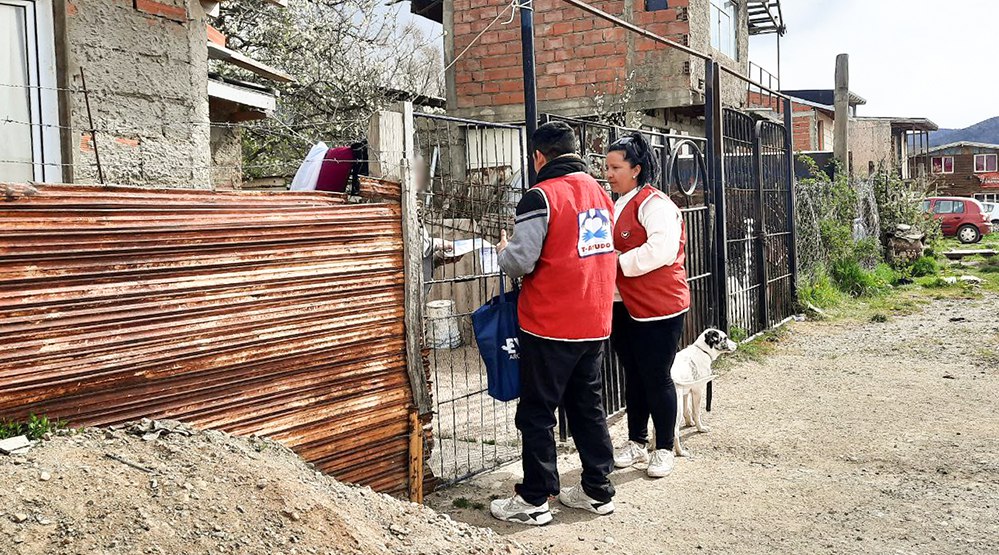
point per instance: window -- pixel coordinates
(948, 207)
(725, 27)
(942, 164)
(985, 163)
(29, 110)
(656, 5)
(987, 197)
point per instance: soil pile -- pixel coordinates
(163, 488)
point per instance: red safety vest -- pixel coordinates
(570, 294)
(661, 293)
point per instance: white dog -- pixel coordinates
(691, 373)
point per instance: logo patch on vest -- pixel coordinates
(625, 234)
(595, 233)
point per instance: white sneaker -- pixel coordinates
(630, 454)
(661, 463)
(576, 498)
(515, 509)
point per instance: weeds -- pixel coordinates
(465, 503)
(35, 427)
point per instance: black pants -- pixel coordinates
(646, 350)
(565, 373)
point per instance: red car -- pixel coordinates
(960, 217)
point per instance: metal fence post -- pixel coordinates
(530, 83)
(716, 177)
(791, 200)
(761, 227)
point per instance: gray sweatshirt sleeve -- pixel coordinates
(529, 231)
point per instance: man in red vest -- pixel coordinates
(563, 246)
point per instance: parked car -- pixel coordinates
(960, 217)
(992, 213)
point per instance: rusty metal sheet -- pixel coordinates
(278, 314)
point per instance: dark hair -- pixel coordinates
(555, 139)
(638, 153)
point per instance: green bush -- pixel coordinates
(899, 203)
(855, 281)
(925, 266)
(738, 334)
(820, 293)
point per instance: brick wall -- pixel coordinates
(578, 58)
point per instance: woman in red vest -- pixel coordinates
(651, 299)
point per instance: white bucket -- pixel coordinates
(443, 329)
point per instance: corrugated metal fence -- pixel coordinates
(279, 314)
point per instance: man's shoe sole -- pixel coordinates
(632, 463)
(605, 509)
(658, 474)
(539, 520)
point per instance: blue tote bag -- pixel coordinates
(495, 325)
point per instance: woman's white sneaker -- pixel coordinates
(630, 454)
(515, 509)
(576, 498)
(661, 463)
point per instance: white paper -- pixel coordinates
(465, 246)
(490, 263)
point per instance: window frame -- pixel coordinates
(987, 197)
(729, 8)
(986, 157)
(943, 165)
(42, 85)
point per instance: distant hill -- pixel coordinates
(982, 132)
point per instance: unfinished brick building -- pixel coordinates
(586, 65)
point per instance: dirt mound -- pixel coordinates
(163, 488)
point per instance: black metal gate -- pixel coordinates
(681, 174)
(758, 237)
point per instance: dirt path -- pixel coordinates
(854, 437)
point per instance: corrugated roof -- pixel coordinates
(961, 144)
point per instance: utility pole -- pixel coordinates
(841, 150)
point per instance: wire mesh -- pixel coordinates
(471, 175)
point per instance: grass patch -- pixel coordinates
(465, 503)
(879, 318)
(822, 293)
(35, 427)
(757, 349)
(903, 304)
(854, 280)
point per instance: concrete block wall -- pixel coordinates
(579, 57)
(147, 70)
(870, 142)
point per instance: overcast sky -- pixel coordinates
(919, 58)
(909, 58)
